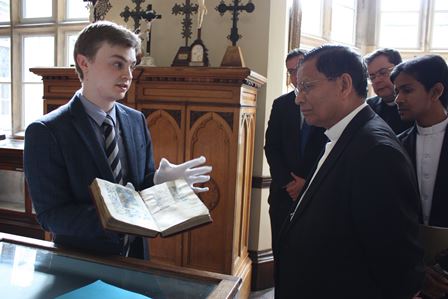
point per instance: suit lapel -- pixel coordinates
(329, 164)
(439, 202)
(82, 125)
(293, 125)
(411, 145)
(129, 143)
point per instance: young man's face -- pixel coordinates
(414, 102)
(108, 76)
(379, 72)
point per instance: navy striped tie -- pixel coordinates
(112, 149)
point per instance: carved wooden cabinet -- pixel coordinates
(192, 112)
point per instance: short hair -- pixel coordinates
(392, 55)
(428, 70)
(294, 53)
(335, 60)
(92, 37)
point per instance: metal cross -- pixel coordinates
(186, 9)
(236, 8)
(137, 14)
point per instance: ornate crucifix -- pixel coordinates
(236, 8)
(187, 9)
(137, 14)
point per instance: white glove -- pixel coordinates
(130, 186)
(189, 171)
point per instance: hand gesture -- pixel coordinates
(189, 171)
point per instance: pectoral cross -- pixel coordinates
(236, 8)
(186, 9)
(137, 14)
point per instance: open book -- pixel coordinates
(166, 208)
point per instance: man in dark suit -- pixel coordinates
(292, 147)
(354, 230)
(422, 96)
(379, 65)
(93, 136)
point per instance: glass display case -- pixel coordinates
(32, 268)
(16, 210)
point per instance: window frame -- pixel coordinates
(431, 26)
(18, 27)
(310, 40)
(425, 32)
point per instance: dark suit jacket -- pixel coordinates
(439, 208)
(62, 157)
(282, 151)
(355, 233)
(389, 114)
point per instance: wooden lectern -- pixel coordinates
(192, 112)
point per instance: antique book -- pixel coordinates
(163, 209)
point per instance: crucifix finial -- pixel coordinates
(236, 8)
(137, 14)
(186, 9)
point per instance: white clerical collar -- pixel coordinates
(435, 129)
(336, 130)
(390, 104)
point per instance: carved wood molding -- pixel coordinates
(208, 75)
(175, 114)
(227, 116)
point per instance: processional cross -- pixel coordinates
(236, 8)
(144, 30)
(137, 14)
(187, 9)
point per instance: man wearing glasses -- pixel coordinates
(291, 149)
(353, 232)
(380, 64)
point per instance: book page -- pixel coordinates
(173, 203)
(125, 205)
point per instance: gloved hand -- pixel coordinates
(189, 171)
(130, 186)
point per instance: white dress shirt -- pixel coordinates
(428, 147)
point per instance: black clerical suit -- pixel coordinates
(439, 207)
(355, 232)
(284, 154)
(389, 114)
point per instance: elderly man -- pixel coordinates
(353, 233)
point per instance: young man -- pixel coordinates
(353, 233)
(94, 136)
(292, 147)
(379, 65)
(421, 86)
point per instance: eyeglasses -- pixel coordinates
(382, 72)
(306, 86)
